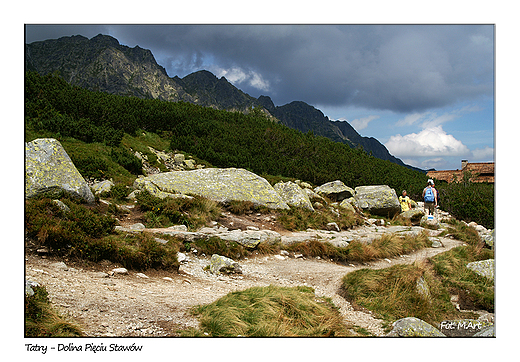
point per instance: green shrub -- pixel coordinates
(91, 166)
(126, 159)
(193, 212)
(469, 201)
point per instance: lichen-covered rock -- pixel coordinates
(222, 185)
(413, 327)
(293, 195)
(348, 204)
(221, 264)
(102, 186)
(486, 268)
(335, 190)
(414, 215)
(378, 200)
(489, 238)
(49, 168)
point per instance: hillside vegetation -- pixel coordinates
(112, 124)
(225, 139)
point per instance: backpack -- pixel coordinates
(428, 195)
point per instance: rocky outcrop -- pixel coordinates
(378, 200)
(293, 195)
(49, 168)
(413, 327)
(335, 190)
(222, 185)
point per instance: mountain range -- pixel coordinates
(102, 64)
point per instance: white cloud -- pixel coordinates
(430, 142)
(238, 76)
(483, 154)
(432, 119)
(361, 123)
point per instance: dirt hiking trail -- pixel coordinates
(157, 303)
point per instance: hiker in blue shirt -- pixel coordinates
(430, 198)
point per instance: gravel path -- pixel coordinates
(157, 303)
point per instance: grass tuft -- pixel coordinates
(271, 312)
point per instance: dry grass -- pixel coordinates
(271, 312)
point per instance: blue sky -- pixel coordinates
(425, 91)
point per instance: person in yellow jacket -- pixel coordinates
(406, 203)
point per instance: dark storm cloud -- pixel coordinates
(400, 68)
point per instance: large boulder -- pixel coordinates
(335, 190)
(413, 327)
(49, 168)
(218, 184)
(378, 200)
(293, 195)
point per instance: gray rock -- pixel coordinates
(378, 200)
(251, 238)
(333, 226)
(61, 205)
(413, 327)
(60, 265)
(29, 285)
(49, 168)
(137, 226)
(103, 186)
(485, 268)
(414, 215)
(436, 243)
(220, 264)
(222, 185)
(489, 238)
(348, 204)
(293, 195)
(123, 271)
(464, 327)
(486, 332)
(335, 190)
(430, 222)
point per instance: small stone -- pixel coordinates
(182, 258)
(60, 265)
(168, 279)
(179, 227)
(141, 275)
(279, 257)
(120, 271)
